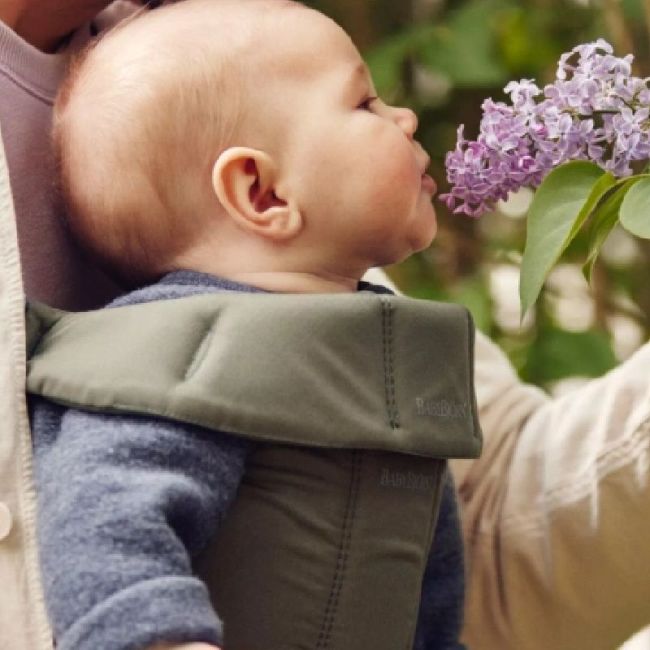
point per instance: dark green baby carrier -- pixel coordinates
(355, 400)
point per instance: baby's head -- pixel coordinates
(238, 137)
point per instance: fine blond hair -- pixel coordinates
(143, 115)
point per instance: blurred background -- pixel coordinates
(443, 58)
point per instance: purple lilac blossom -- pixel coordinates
(595, 110)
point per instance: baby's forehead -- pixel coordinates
(280, 36)
(300, 44)
(225, 55)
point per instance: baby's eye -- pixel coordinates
(366, 104)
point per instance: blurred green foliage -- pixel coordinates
(443, 58)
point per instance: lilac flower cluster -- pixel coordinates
(595, 110)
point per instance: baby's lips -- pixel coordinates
(429, 184)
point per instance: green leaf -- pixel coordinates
(559, 353)
(562, 203)
(635, 209)
(605, 217)
(598, 192)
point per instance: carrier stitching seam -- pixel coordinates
(383, 342)
(389, 377)
(390, 366)
(345, 546)
(324, 636)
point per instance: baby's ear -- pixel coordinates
(244, 181)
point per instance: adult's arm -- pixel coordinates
(556, 512)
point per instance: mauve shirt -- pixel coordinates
(53, 269)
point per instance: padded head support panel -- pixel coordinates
(360, 371)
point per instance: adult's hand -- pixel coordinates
(45, 24)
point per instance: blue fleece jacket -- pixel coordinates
(126, 502)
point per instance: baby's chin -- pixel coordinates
(428, 222)
(415, 246)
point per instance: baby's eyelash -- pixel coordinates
(365, 104)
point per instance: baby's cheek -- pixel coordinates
(397, 181)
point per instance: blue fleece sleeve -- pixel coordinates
(443, 584)
(124, 503)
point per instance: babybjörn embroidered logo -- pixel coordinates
(406, 480)
(440, 408)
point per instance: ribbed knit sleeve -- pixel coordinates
(124, 504)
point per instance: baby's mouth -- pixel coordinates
(428, 184)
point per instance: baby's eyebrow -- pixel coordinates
(360, 70)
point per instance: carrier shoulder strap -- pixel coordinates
(362, 371)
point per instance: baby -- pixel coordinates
(207, 147)
(251, 129)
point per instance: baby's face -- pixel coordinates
(350, 159)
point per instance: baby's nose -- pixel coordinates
(407, 120)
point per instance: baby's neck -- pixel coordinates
(260, 265)
(289, 282)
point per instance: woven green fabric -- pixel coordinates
(324, 549)
(341, 371)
